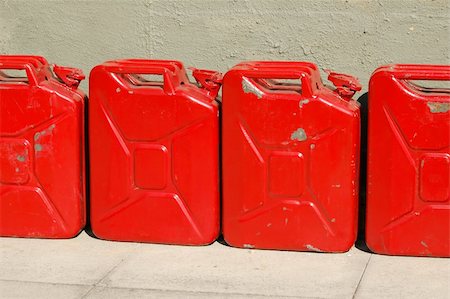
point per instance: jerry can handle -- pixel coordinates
(69, 75)
(151, 62)
(280, 73)
(28, 58)
(168, 85)
(421, 72)
(208, 79)
(20, 65)
(346, 85)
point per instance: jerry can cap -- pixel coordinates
(208, 79)
(69, 75)
(346, 85)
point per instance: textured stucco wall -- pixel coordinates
(353, 36)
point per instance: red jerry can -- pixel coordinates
(290, 158)
(42, 165)
(154, 152)
(408, 176)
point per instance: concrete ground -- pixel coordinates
(85, 267)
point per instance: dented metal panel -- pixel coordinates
(42, 175)
(408, 205)
(154, 152)
(290, 158)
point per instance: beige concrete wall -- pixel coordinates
(353, 36)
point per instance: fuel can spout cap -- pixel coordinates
(208, 80)
(69, 75)
(346, 85)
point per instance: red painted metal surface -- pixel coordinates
(408, 208)
(290, 158)
(154, 153)
(42, 175)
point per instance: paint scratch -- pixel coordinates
(299, 135)
(438, 107)
(248, 87)
(312, 248)
(303, 102)
(47, 131)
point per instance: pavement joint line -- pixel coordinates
(362, 276)
(98, 282)
(46, 282)
(88, 292)
(206, 292)
(93, 286)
